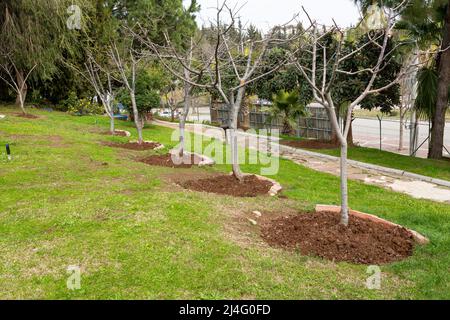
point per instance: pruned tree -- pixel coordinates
(15, 79)
(321, 74)
(225, 65)
(127, 61)
(34, 38)
(101, 79)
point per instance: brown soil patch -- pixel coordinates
(116, 133)
(134, 146)
(310, 144)
(251, 186)
(26, 116)
(166, 161)
(320, 234)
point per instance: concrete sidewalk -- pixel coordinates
(417, 186)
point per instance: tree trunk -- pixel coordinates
(334, 132)
(344, 150)
(235, 107)
(402, 129)
(186, 108)
(111, 124)
(350, 134)
(344, 185)
(437, 132)
(22, 95)
(137, 119)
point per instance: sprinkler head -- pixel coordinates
(8, 151)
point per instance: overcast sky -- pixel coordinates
(265, 13)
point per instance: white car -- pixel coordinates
(165, 114)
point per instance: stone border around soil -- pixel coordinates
(276, 187)
(161, 146)
(127, 133)
(206, 161)
(418, 238)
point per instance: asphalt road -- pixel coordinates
(366, 132)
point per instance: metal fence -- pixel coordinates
(315, 126)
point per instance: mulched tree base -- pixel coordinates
(251, 186)
(26, 116)
(310, 144)
(320, 234)
(116, 133)
(134, 146)
(166, 161)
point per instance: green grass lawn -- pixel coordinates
(428, 167)
(67, 200)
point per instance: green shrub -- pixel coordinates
(84, 107)
(71, 101)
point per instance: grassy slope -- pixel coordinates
(433, 168)
(136, 235)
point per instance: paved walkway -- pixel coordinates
(417, 186)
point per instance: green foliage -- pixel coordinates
(80, 107)
(425, 104)
(422, 20)
(71, 101)
(349, 87)
(287, 106)
(34, 32)
(287, 78)
(149, 83)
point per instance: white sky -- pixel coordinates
(266, 13)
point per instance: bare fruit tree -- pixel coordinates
(228, 64)
(185, 65)
(126, 62)
(100, 77)
(15, 79)
(97, 76)
(321, 73)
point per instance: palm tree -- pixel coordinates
(287, 106)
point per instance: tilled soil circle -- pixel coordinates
(26, 116)
(320, 234)
(251, 186)
(134, 146)
(167, 161)
(116, 133)
(310, 144)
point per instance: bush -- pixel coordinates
(84, 107)
(148, 86)
(68, 103)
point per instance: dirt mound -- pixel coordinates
(310, 144)
(166, 161)
(134, 146)
(116, 133)
(251, 186)
(320, 234)
(26, 116)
